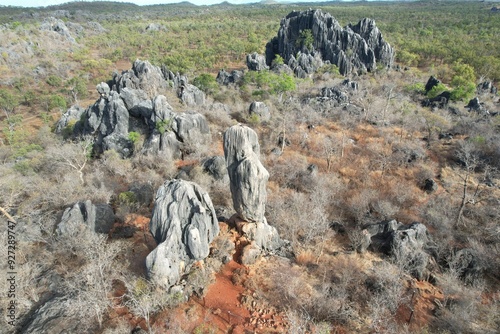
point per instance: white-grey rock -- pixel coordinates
(248, 177)
(261, 110)
(183, 224)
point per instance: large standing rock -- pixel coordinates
(248, 180)
(183, 224)
(353, 48)
(247, 175)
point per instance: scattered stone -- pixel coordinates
(58, 26)
(430, 185)
(216, 167)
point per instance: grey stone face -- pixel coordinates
(96, 217)
(183, 224)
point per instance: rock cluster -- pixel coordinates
(132, 102)
(337, 96)
(354, 48)
(248, 180)
(408, 244)
(183, 224)
(58, 26)
(225, 78)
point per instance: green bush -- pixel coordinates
(436, 90)
(306, 39)
(206, 83)
(56, 101)
(127, 197)
(463, 82)
(163, 126)
(54, 81)
(134, 136)
(274, 83)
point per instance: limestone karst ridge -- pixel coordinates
(354, 48)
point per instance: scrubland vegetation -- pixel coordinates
(333, 170)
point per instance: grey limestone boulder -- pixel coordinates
(71, 116)
(248, 177)
(58, 26)
(96, 217)
(225, 78)
(190, 127)
(216, 167)
(256, 62)
(260, 109)
(248, 180)
(143, 76)
(410, 245)
(183, 224)
(52, 317)
(191, 95)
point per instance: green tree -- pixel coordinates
(463, 82)
(306, 39)
(206, 83)
(8, 101)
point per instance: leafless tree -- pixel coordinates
(73, 155)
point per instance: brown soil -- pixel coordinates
(424, 298)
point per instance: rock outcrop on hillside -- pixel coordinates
(225, 78)
(132, 102)
(183, 224)
(248, 181)
(410, 245)
(354, 48)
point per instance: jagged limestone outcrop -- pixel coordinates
(134, 103)
(354, 48)
(183, 224)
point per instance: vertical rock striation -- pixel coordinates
(183, 224)
(353, 48)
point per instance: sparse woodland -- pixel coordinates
(390, 150)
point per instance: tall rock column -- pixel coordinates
(248, 180)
